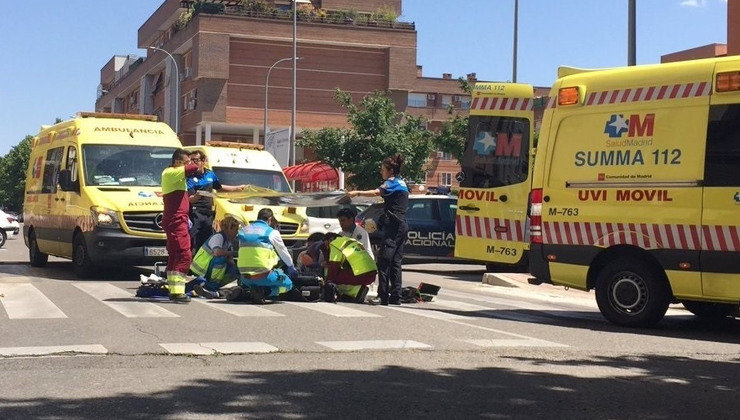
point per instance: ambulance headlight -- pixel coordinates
(304, 227)
(105, 217)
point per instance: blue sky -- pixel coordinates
(53, 50)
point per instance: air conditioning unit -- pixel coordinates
(191, 104)
(439, 155)
(188, 72)
(457, 98)
(431, 97)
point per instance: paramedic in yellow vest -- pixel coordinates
(214, 262)
(175, 222)
(261, 249)
(349, 266)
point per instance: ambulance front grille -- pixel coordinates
(143, 221)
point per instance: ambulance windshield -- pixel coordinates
(137, 166)
(496, 153)
(274, 180)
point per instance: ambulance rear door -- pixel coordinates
(491, 222)
(720, 264)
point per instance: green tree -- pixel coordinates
(13, 174)
(376, 131)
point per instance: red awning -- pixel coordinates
(311, 172)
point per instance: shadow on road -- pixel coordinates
(654, 387)
(63, 271)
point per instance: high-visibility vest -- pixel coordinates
(204, 259)
(256, 253)
(347, 249)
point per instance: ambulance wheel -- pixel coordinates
(3, 238)
(36, 257)
(632, 293)
(710, 310)
(80, 258)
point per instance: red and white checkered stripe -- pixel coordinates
(646, 236)
(491, 228)
(650, 93)
(501, 104)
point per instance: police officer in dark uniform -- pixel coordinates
(200, 191)
(395, 194)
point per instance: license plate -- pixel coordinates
(155, 251)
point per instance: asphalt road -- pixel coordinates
(90, 349)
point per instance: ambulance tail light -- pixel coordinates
(568, 95)
(728, 81)
(535, 216)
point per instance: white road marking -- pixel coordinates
(25, 301)
(520, 304)
(455, 319)
(334, 309)
(489, 312)
(46, 350)
(223, 348)
(373, 345)
(238, 309)
(124, 302)
(504, 342)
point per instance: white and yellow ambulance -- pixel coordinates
(93, 191)
(247, 164)
(636, 188)
(491, 222)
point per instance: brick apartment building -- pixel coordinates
(223, 59)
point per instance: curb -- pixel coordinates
(496, 279)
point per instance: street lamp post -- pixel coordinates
(267, 88)
(516, 34)
(177, 88)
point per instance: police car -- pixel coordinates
(431, 221)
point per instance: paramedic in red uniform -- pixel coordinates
(175, 222)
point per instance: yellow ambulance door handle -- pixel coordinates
(469, 208)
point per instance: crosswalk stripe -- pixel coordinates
(238, 309)
(489, 312)
(25, 301)
(47, 350)
(507, 342)
(223, 348)
(520, 304)
(123, 301)
(373, 345)
(455, 319)
(335, 309)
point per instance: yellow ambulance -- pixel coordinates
(93, 191)
(636, 188)
(495, 177)
(248, 164)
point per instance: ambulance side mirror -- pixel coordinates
(65, 181)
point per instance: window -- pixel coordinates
(448, 209)
(190, 100)
(465, 102)
(723, 147)
(445, 179)
(51, 169)
(446, 156)
(417, 100)
(420, 210)
(496, 152)
(72, 162)
(446, 100)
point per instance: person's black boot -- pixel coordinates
(179, 298)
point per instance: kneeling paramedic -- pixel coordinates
(261, 249)
(349, 266)
(214, 262)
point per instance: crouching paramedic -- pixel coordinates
(175, 222)
(349, 266)
(214, 262)
(261, 249)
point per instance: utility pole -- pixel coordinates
(516, 30)
(632, 18)
(293, 109)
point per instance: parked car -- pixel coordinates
(431, 220)
(9, 226)
(324, 219)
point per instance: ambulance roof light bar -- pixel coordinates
(235, 145)
(139, 117)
